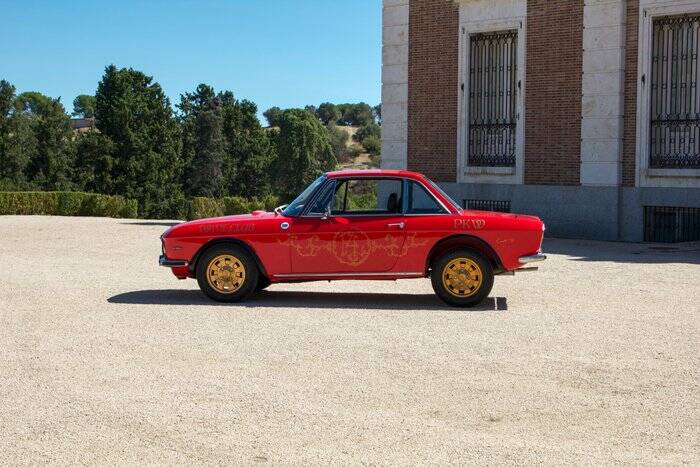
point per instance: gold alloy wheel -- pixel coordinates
(462, 277)
(226, 274)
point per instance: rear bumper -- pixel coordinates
(532, 258)
(172, 263)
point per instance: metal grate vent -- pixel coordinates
(487, 205)
(671, 224)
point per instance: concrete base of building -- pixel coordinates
(586, 212)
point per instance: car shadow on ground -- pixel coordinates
(304, 299)
(622, 252)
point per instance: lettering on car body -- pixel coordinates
(470, 224)
(227, 228)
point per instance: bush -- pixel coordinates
(351, 153)
(66, 203)
(366, 131)
(236, 205)
(201, 208)
(372, 145)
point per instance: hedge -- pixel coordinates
(201, 208)
(66, 203)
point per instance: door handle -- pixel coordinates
(399, 225)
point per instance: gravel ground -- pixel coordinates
(107, 358)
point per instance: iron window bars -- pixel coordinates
(675, 101)
(492, 98)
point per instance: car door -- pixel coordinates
(363, 232)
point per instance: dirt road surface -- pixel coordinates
(106, 358)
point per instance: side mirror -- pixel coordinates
(327, 212)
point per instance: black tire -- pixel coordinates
(263, 283)
(476, 269)
(230, 270)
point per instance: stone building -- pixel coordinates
(584, 112)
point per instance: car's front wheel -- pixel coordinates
(227, 273)
(462, 277)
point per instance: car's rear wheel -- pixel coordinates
(462, 277)
(227, 273)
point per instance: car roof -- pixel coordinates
(375, 173)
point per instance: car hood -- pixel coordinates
(213, 224)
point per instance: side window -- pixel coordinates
(422, 202)
(367, 196)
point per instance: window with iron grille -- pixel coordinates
(671, 224)
(487, 205)
(492, 99)
(675, 100)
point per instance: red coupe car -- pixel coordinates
(370, 224)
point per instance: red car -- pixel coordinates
(369, 224)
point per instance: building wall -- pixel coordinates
(432, 93)
(483, 16)
(394, 83)
(553, 92)
(582, 166)
(629, 141)
(602, 92)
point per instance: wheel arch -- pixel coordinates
(226, 241)
(464, 241)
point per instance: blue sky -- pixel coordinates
(288, 53)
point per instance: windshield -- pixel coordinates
(296, 206)
(454, 203)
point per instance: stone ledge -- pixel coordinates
(476, 170)
(675, 173)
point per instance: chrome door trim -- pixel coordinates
(348, 274)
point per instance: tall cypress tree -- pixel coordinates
(135, 114)
(51, 164)
(206, 176)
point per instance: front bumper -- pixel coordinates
(172, 263)
(532, 258)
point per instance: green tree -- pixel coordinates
(191, 105)
(206, 177)
(18, 143)
(338, 139)
(304, 152)
(311, 109)
(248, 150)
(134, 113)
(355, 114)
(377, 113)
(94, 162)
(84, 106)
(272, 115)
(51, 164)
(328, 113)
(251, 152)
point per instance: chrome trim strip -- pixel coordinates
(349, 274)
(172, 263)
(532, 258)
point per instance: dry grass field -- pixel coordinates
(107, 358)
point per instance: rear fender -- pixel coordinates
(464, 241)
